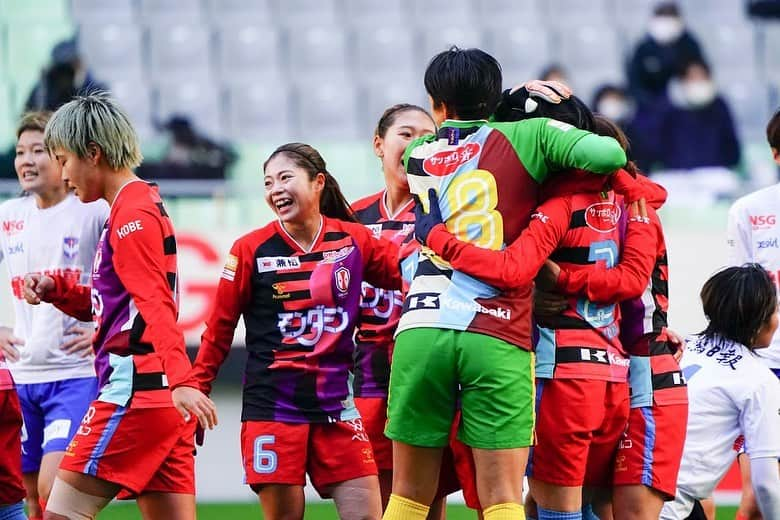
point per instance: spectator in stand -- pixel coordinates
(554, 72)
(660, 54)
(67, 76)
(615, 103)
(696, 128)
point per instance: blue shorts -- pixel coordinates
(52, 413)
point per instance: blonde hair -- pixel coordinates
(94, 118)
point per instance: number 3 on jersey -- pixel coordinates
(472, 198)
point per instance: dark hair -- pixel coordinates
(467, 81)
(738, 302)
(667, 9)
(333, 204)
(687, 64)
(604, 126)
(604, 90)
(35, 121)
(773, 131)
(391, 114)
(573, 111)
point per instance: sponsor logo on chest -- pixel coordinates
(763, 221)
(12, 227)
(267, 264)
(602, 216)
(16, 249)
(770, 243)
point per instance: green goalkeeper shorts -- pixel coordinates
(433, 370)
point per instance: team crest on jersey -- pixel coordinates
(70, 247)
(602, 216)
(342, 277)
(446, 162)
(266, 264)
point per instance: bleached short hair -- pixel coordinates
(94, 118)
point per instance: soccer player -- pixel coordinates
(132, 438)
(49, 353)
(732, 393)
(297, 282)
(645, 472)
(456, 329)
(11, 485)
(390, 214)
(752, 237)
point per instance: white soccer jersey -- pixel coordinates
(754, 236)
(731, 394)
(60, 239)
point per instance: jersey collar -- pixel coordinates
(456, 123)
(288, 237)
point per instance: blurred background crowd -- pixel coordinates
(212, 85)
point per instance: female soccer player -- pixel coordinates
(49, 353)
(646, 471)
(390, 214)
(732, 394)
(132, 437)
(297, 283)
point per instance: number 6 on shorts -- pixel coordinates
(265, 460)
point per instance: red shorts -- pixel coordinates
(466, 472)
(373, 411)
(650, 451)
(11, 487)
(579, 423)
(283, 453)
(141, 449)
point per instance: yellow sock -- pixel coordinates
(400, 508)
(506, 511)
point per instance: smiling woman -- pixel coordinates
(297, 282)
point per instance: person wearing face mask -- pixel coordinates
(696, 129)
(665, 47)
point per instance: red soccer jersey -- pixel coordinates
(380, 309)
(300, 309)
(655, 376)
(6, 380)
(140, 351)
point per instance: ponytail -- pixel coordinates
(333, 204)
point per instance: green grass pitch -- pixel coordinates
(313, 512)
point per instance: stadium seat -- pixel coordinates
(240, 11)
(328, 111)
(730, 46)
(374, 13)
(590, 48)
(507, 13)
(705, 15)
(24, 10)
(308, 12)
(259, 111)
(7, 116)
(568, 14)
(163, 11)
(318, 52)
(29, 48)
(247, 50)
(522, 51)
(110, 46)
(433, 42)
(134, 96)
(748, 100)
(770, 56)
(176, 49)
(197, 100)
(433, 14)
(385, 53)
(379, 96)
(93, 12)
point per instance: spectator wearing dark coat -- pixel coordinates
(661, 53)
